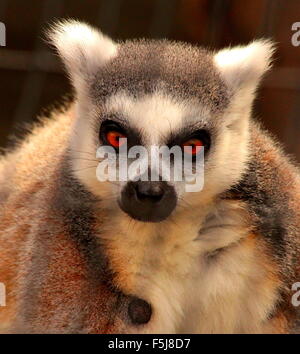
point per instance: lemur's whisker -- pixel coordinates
(85, 168)
(184, 201)
(82, 152)
(84, 159)
(113, 197)
(111, 182)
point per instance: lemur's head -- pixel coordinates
(165, 94)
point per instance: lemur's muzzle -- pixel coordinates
(148, 201)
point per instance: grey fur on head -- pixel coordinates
(144, 66)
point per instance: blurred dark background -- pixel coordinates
(32, 80)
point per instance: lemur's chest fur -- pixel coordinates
(199, 276)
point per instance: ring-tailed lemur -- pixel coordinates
(82, 256)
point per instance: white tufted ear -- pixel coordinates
(243, 66)
(82, 48)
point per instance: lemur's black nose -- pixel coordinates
(148, 201)
(149, 191)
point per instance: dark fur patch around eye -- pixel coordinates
(188, 133)
(134, 137)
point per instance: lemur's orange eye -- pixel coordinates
(113, 137)
(195, 144)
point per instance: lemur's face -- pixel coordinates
(168, 123)
(159, 93)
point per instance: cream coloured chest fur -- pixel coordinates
(192, 267)
(190, 280)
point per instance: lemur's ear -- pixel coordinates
(82, 48)
(242, 67)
